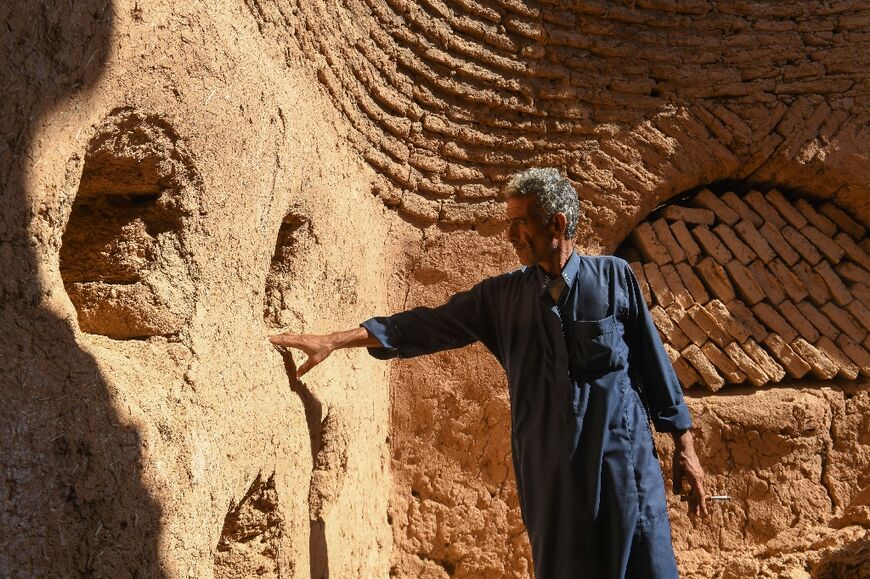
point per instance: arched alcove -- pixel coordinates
(123, 259)
(755, 286)
(277, 308)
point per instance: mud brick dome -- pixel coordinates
(180, 180)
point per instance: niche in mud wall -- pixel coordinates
(755, 286)
(293, 236)
(123, 259)
(250, 542)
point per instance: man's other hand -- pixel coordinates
(687, 468)
(317, 348)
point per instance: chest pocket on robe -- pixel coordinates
(598, 345)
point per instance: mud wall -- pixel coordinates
(166, 205)
(178, 181)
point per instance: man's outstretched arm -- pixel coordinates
(319, 347)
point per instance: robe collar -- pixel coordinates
(569, 273)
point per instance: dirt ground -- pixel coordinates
(180, 180)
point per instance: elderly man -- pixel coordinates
(586, 372)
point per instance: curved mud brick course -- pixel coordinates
(446, 99)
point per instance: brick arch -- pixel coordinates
(755, 286)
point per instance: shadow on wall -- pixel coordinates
(74, 502)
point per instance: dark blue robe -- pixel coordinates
(585, 375)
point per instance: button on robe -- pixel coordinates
(585, 376)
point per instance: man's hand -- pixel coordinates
(317, 348)
(687, 467)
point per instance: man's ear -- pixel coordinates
(558, 225)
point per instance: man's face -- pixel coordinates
(533, 240)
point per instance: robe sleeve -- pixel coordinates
(462, 320)
(649, 364)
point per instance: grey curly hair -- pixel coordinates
(554, 194)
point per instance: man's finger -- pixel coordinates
(702, 498)
(308, 365)
(291, 340)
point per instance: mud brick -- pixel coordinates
(686, 374)
(753, 372)
(710, 326)
(819, 221)
(668, 329)
(640, 276)
(686, 241)
(743, 210)
(687, 324)
(844, 321)
(711, 244)
(827, 246)
(754, 240)
(860, 292)
(675, 284)
(748, 319)
(689, 215)
(775, 322)
(764, 360)
(855, 252)
(657, 285)
(798, 321)
(646, 240)
(853, 273)
(726, 366)
(726, 319)
(860, 312)
(708, 200)
(672, 352)
(757, 201)
(793, 286)
(820, 365)
(740, 250)
(839, 291)
(709, 376)
(744, 282)
(692, 282)
(856, 353)
(716, 279)
(843, 221)
(816, 287)
(666, 238)
(786, 209)
(794, 365)
(847, 368)
(782, 248)
(769, 283)
(866, 343)
(801, 244)
(819, 320)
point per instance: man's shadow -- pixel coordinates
(73, 499)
